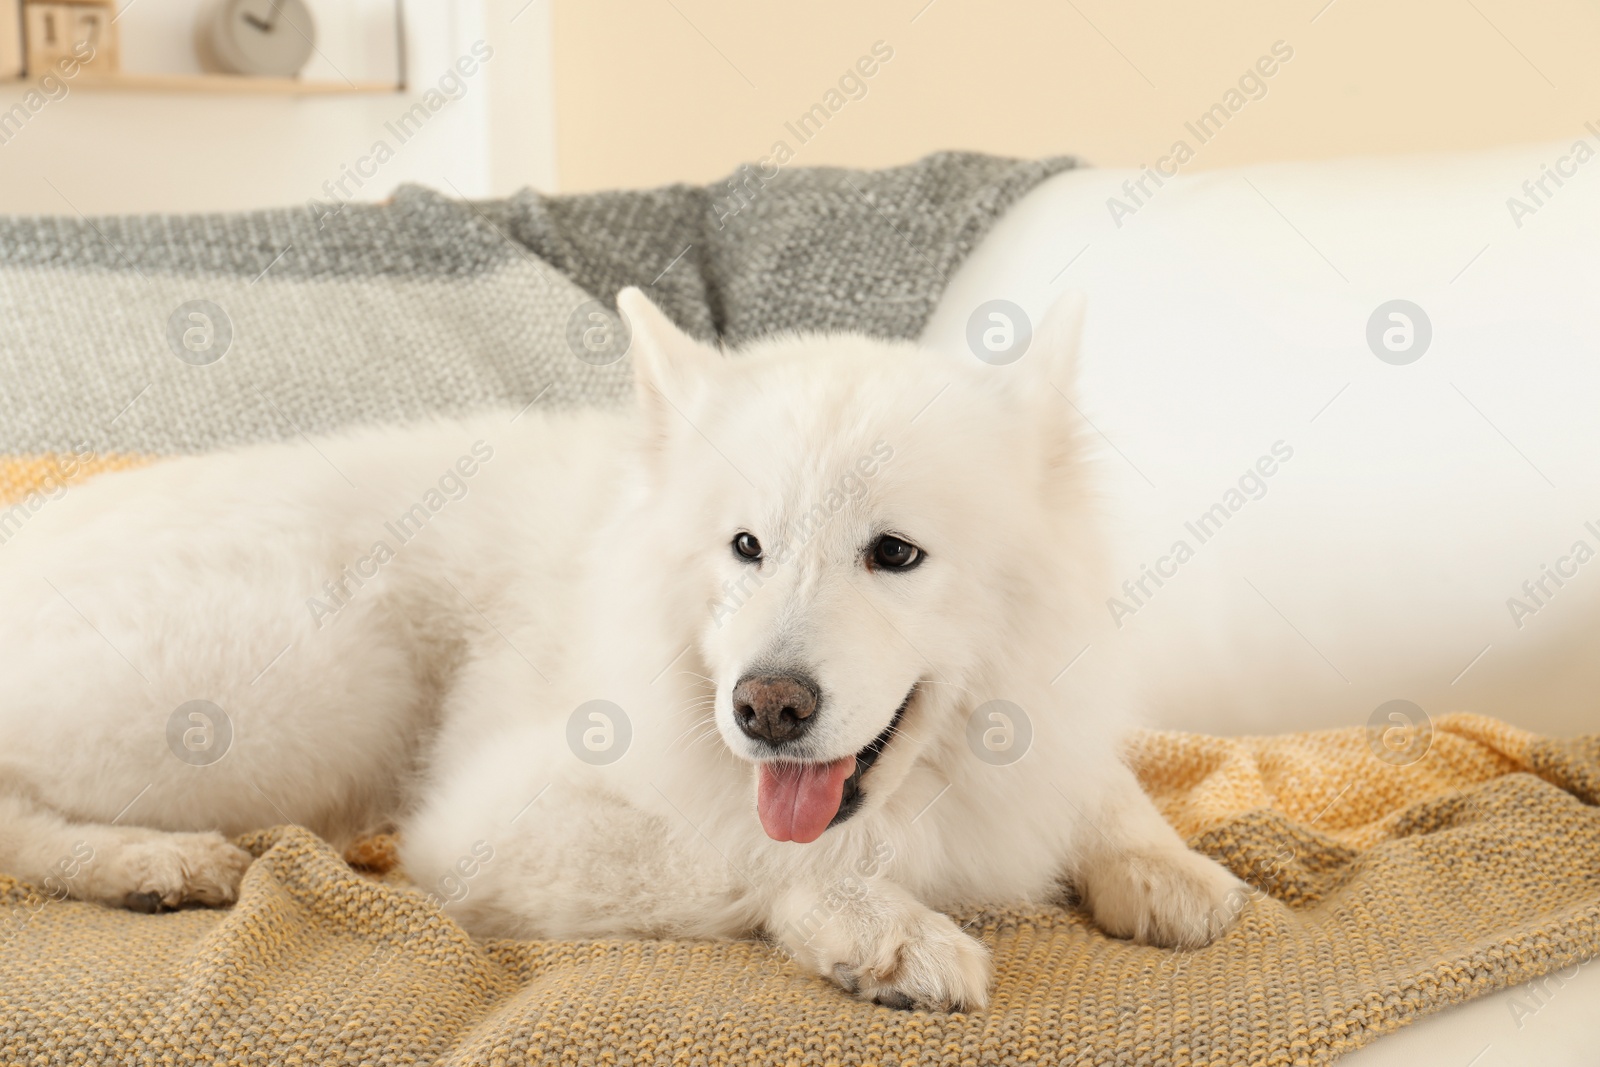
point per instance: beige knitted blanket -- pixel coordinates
(1387, 892)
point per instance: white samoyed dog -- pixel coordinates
(770, 654)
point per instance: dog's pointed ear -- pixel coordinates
(1058, 339)
(666, 360)
(1054, 359)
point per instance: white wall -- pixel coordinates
(95, 151)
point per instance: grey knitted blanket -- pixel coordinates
(162, 334)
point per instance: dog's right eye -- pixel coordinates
(746, 547)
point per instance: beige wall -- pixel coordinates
(100, 151)
(650, 91)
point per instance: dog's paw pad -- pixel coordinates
(144, 903)
(893, 998)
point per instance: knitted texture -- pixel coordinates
(1384, 893)
(427, 306)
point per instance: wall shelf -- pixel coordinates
(224, 83)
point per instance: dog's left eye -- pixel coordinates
(895, 554)
(747, 548)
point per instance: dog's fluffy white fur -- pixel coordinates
(409, 626)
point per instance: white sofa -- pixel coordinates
(1385, 557)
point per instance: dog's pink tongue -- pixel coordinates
(797, 801)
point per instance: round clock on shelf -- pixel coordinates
(260, 38)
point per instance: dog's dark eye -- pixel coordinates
(747, 548)
(893, 554)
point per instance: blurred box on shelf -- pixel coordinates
(11, 54)
(81, 31)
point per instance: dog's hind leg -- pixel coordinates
(125, 866)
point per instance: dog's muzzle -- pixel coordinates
(800, 800)
(853, 795)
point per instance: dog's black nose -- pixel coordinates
(775, 707)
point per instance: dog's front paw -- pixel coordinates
(168, 870)
(920, 961)
(1168, 897)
